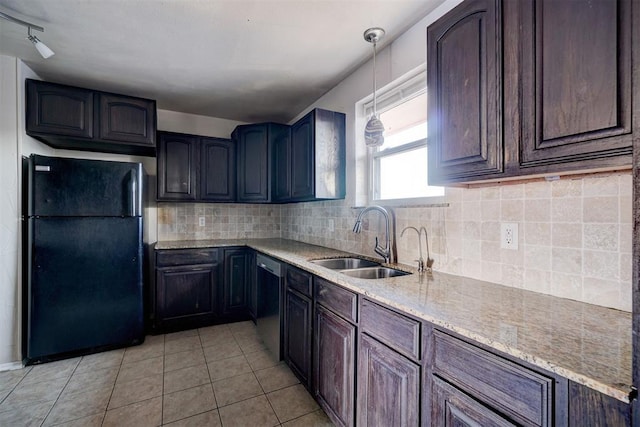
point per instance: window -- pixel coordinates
(399, 166)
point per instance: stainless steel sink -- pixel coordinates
(345, 263)
(374, 272)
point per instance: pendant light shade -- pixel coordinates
(374, 130)
(42, 48)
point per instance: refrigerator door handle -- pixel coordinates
(133, 193)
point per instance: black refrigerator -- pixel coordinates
(82, 285)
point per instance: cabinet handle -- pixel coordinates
(322, 291)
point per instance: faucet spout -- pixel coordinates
(384, 252)
(419, 260)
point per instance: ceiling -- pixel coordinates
(245, 60)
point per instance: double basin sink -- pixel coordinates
(359, 268)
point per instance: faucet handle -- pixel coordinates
(420, 265)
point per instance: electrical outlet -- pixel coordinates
(331, 226)
(201, 221)
(509, 235)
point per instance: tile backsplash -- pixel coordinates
(574, 233)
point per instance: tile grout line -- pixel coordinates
(61, 391)
(104, 416)
(210, 379)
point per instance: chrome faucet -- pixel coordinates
(384, 252)
(421, 262)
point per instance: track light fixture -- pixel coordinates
(43, 49)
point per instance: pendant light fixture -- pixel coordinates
(373, 131)
(43, 49)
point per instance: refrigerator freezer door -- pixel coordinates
(86, 287)
(75, 187)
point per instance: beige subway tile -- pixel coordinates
(472, 268)
(626, 184)
(566, 235)
(601, 236)
(512, 210)
(565, 260)
(491, 193)
(537, 190)
(566, 187)
(472, 250)
(537, 281)
(512, 191)
(601, 264)
(606, 185)
(626, 297)
(626, 267)
(512, 275)
(512, 257)
(566, 209)
(471, 230)
(601, 292)
(491, 272)
(537, 257)
(471, 211)
(626, 209)
(537, 210)
(490, 251)
(600, 209)
(470, 194)
(490, 210)
(490, 231)
(536, 233)
(566, 285)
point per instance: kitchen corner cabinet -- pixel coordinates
(309, 160)
(464, 60)
(193, 168)
(82, 119)
(298, 317)
(236, 286)
(255, 145)
(184, 294)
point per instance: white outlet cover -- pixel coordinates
(201, 221)
(509, 235)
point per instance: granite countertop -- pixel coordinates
(585, 343)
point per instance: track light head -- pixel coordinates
(43, 49)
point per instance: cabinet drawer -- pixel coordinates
(524, 395)
(299, 281)
(398, 331)
(340, 300)
(186, 257)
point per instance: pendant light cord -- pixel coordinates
(375, 110)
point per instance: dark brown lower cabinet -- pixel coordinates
(450, 407)
(297, 336)
(388, 386)
(235, 290)
(589, 407)
(185, 295)
(334, 366)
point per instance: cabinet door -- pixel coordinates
(464, 58)
(334, 366)
(177, 160)
(217, 170)
(253, 163)
(577, 81)
(297, 335)
(253, 290)
(452, 408)
(185, 292)
(236, 282)
(388, 386)
(302, 158)
(59, 110)
(127, 119)
(282, 167)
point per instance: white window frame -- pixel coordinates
(411, 85)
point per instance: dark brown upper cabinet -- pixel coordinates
(553, 96)
(464, 59)
(217, 170)
(194, 168)
(81, 119)
(177, 167)
(577, 79)
(309, 161)
(255, 147)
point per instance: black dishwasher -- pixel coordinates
(269, 310)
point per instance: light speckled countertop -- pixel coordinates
(585, 343)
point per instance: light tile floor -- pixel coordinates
(216, 376)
